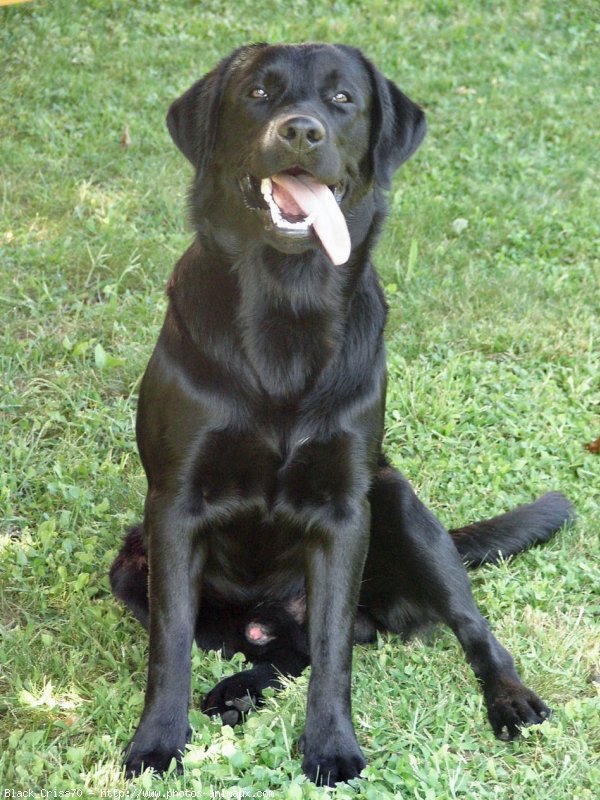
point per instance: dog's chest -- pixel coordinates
(256, 506)
(241, 473)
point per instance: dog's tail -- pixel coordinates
(490, 540)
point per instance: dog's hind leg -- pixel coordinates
(129, 575)
(414, 575)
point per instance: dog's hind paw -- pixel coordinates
(232, 698)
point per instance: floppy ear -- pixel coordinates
(192, 119)
(397, 127)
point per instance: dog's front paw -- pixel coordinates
(331, 759)
(154, 747)
(232, 698)
(512, 706)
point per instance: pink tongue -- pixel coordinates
(302, 194)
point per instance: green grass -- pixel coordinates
(494, 378)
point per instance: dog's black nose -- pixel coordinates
(301, 133)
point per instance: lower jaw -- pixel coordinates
(291, 243)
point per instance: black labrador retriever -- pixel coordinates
(273, 524)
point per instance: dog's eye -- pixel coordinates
(258, 93)
(341, 97)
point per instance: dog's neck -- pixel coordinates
(292, 315)
(275, 320)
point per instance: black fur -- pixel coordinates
(273, 524)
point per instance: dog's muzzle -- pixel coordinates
(299, 206)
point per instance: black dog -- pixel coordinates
(273, 524)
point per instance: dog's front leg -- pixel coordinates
(335, 561)
(176, 559)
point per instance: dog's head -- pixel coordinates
(289, 140)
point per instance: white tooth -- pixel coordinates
(275, 212)
(266, 187)
(291, 226)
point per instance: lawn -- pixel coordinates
(490, 263)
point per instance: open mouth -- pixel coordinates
(297, 205)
